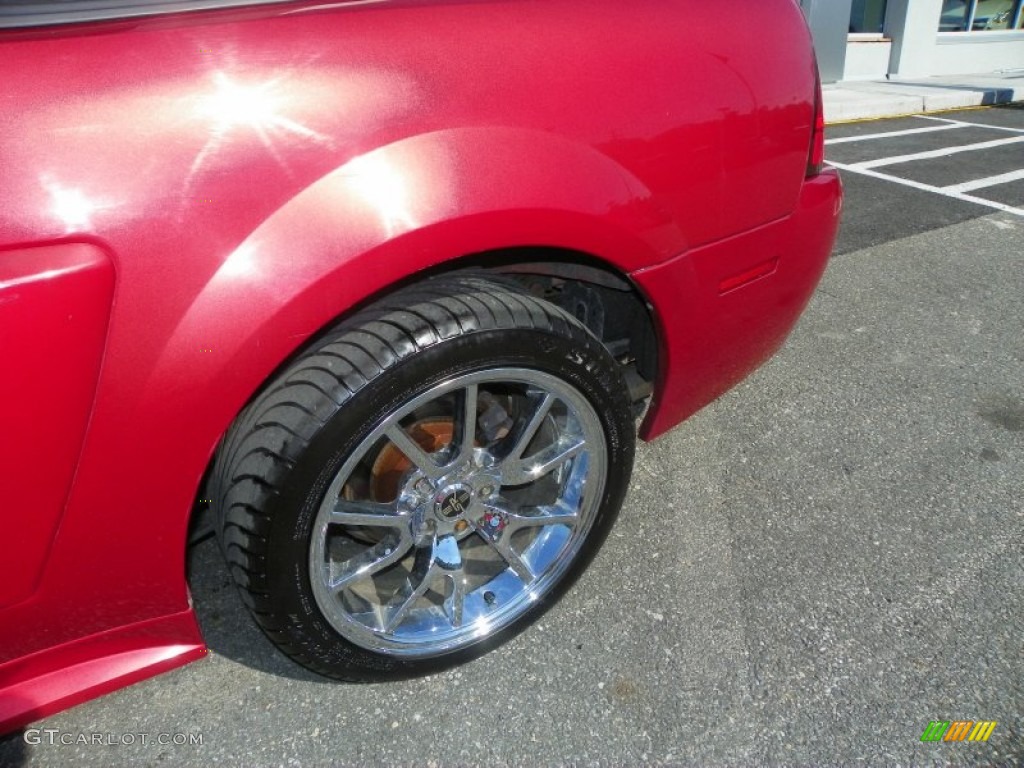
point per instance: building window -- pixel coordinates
(867, 17)
(981, 15)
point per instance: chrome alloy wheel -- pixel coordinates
(460, 510)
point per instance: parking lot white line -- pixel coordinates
(965, 123)
(988, 181)
(932, 153)
(887, 134)
(929, 188)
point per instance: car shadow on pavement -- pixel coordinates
(227, 627)
(13, 751)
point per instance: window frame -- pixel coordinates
(31, 15)
(1014, 26)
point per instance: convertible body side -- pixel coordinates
(186, 200)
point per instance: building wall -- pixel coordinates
(912, 46)
(982, 52)
(920, 50)
(829, 21)
(867, 59)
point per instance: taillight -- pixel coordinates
(816, 157)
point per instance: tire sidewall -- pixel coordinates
(583, 363)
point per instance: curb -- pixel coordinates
(845, 102)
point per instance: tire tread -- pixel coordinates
(270, 435)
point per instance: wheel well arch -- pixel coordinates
(598, 294)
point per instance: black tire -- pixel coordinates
(278, 459)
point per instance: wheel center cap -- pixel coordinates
(453, 501)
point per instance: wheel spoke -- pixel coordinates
(529, 430)
(442, 558)
(369, 562)
(448, 559)
(519, 566)
(541, 463)
(502, 544)
(412, 451)
(446, 553)
(368, 513)
(549, 515)
(415, 586)
(454, 602)
(465, 423)
(408, 596)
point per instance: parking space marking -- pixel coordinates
(944, 191)
(890, 134)
(933, 153)
(973, 125)
(960, 191)
(989, 181)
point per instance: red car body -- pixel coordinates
(186, 198)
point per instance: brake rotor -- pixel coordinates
(391, 464)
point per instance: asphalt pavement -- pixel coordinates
(807, 572)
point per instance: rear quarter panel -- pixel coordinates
(254, 174)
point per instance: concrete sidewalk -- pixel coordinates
(860, 100)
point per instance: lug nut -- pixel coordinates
(486, 491)
(461, 526)
(423, 486)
